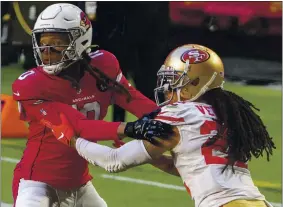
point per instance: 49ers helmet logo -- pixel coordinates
(85, 21)
(195, 56)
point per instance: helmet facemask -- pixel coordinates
(170, 81)
(67, 51)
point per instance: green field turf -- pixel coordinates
(131, 192)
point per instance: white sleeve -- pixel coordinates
(113, 160)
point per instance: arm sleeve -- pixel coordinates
(112, 160)
(139, 105)
(109, 64)
(93, 130)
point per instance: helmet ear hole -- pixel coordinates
(195, 82)
(84, 42)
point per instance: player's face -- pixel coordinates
(57, 43)
(174, 98)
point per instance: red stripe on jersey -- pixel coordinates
(169, 118)
(188, 189)
(163, 112)
(219, 145)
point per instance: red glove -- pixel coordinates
(63, 132)
(118, 143)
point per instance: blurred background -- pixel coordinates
(247, 35)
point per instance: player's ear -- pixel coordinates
(185, 93)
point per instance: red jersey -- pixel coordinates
(41, 95)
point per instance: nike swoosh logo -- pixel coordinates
(17, 94)
(62, 135)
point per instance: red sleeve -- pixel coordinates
(109, 64)
(139, 105)
(28, 86)
(106, 62)
(92, 130)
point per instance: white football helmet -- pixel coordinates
(62, 18)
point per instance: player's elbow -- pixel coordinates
(114, 162)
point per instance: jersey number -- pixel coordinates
(26, 74)
(220, 145)
(90, 110)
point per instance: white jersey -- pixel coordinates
(200, 166)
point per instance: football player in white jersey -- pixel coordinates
(216, 132)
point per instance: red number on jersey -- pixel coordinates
(220, 145)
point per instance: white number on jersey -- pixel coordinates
(26, 74)
(90, 110)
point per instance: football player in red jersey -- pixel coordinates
(70, 79)
(216, 133)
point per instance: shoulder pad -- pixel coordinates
(28, 85)
(180, 113)
(106, 62)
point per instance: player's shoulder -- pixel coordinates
(106, 62)
(183, 112)
(29, 84)
(181, 107)
(28, 78)
(103, 57)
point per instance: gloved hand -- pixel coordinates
(151, 115)
(63, 132)
(148, 130)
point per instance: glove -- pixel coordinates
(148, 130)
(63, 132)
(151, 115)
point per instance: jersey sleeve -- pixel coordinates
(27, 86)
(92, 130)
(106, 62)
(109, 64)
(179, 114)
(139, 105)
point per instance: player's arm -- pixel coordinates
(108, 63)
(94, 130)
(139, 104)
(166, 164)
(69, 122)
(131, 154)
(161, 161)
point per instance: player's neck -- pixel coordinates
(200, 100)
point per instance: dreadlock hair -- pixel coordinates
(73, 75)
(245, 132)
(103, 81)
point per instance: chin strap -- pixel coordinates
(56, 69)
(53, 69)
(205, 87)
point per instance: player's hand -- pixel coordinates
(63, 132)
(151, 115)
(148, 130)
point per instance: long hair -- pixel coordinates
(245, 132)
(104, 82)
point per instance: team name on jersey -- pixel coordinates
(83, 98)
